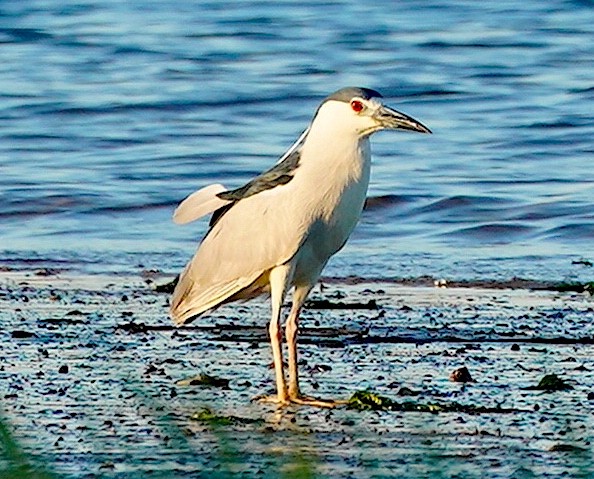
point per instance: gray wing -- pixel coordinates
(279, 174)
(247, 238)
(241, 248)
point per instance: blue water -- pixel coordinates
(112, 112)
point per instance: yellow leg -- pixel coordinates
(292, 330)
(279, 280)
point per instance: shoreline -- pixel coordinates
(95, 378)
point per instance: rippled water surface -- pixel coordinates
(112, 112)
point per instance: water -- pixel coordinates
(112, 112)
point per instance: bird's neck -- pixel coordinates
(339, 168)
(343, 156)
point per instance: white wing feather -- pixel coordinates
(295, 146)
(199, 203)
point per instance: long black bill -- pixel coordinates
(394, 120)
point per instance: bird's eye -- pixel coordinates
(357, 106)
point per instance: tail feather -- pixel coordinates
(191, 300)
(199, 203)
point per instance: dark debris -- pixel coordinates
(551, 383)
(370, 401)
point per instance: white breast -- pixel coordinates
(334, 192)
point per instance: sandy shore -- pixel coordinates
(91, 366)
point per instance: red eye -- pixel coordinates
(357, 106)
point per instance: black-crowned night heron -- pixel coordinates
(280, 229)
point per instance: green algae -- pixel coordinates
(550, 383)
(371, 401)
(209, 417)
(587, 287)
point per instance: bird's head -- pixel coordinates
(360, 111)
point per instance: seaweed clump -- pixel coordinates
(587, 287)
(207, 416)
(370, 401)
(205, 380)
(550, 383)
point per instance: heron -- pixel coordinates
(278, 231)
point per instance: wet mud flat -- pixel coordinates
(96, 382)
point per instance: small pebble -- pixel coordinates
(461, 375)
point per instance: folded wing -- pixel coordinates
(236, 256)
(249, 235)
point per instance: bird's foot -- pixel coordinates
(299, 400)
(316, 402)
(272, 399)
